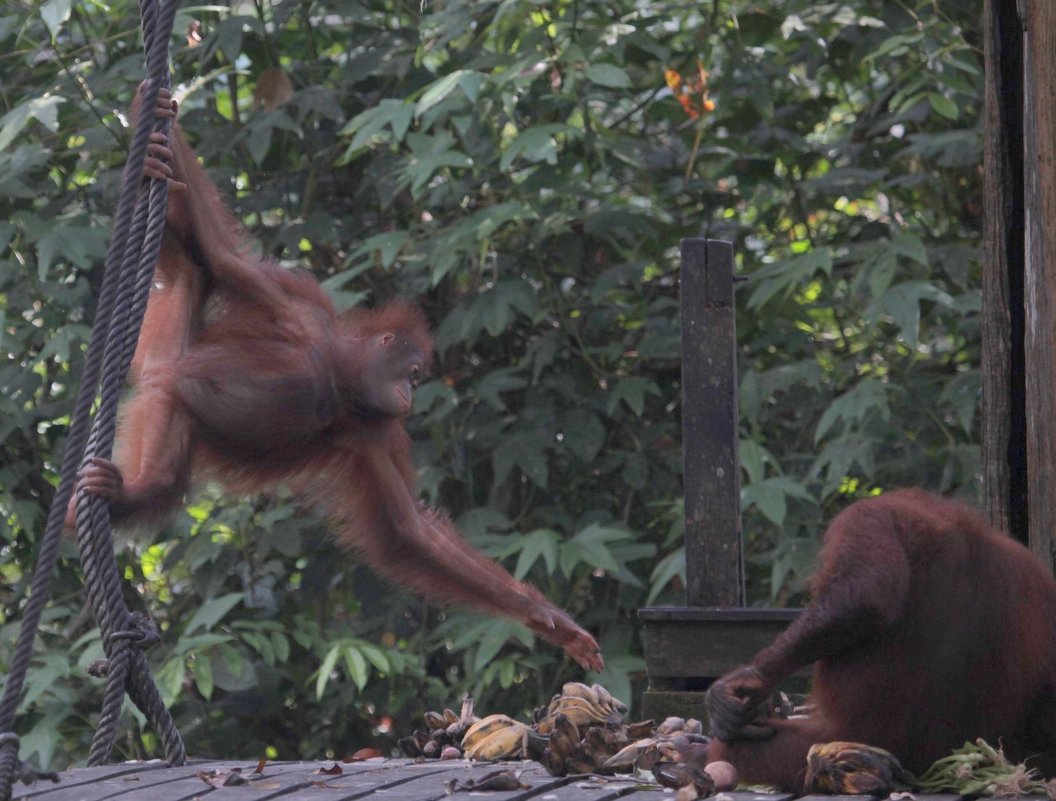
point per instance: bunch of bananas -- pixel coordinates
(580, 729)
(495, 737)
(442, 734)
(583, 705)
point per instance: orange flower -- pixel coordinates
(692, 94)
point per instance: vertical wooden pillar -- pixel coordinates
(1039, 162)
(710, 462)
(1019, 272)
(687, 647)
(1004, 423)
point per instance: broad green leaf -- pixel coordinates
(608, 75)
(785, 276)
(368, 126)
(946, 107)
(468, 80)
(376, 657)
(55, 13)
(43, 109)
(80, 245)
(631, 391)
(754, 460)
(523, 453)
(229, 37)
(356, 664)
(535, 144)
(202, 669)
(583, 433)
(326, 668)
(170, 679)
(542, 542)
(387, 245)
(590, 546)
(902, 303)
(671, 566)
(868, 397)
(280, 644)
(492, 637)
(505, 379)
(212, 612)
(770, 496)
(421, 170)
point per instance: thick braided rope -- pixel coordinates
(157, 32)
(122, 637)
(128, 667)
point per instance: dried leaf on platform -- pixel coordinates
(364, 754)
(333, 770)
(498, 781)
(222, 777)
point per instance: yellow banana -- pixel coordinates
(506, 743)
(608, 700)
(576, 689)
(571, 701)
(484, 727)
(604, 696)
(579, 711)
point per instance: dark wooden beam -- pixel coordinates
(1039, 170)
(711, 466)
(686, 648)
(1003, 367)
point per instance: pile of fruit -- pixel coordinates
(581, 731)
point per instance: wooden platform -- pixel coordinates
(377, 779)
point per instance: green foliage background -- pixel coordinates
(522, 169)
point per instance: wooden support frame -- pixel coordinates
(710, 461)
(688, 647)
(1019, 272)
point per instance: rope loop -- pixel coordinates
(144, 632)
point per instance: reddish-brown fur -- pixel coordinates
(927, 628)
(245, 373)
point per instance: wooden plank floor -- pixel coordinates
(376, 780)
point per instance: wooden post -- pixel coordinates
(710, 463)
(1039, 162)
(1004, 423)
(1019, 272)
(687, 647)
